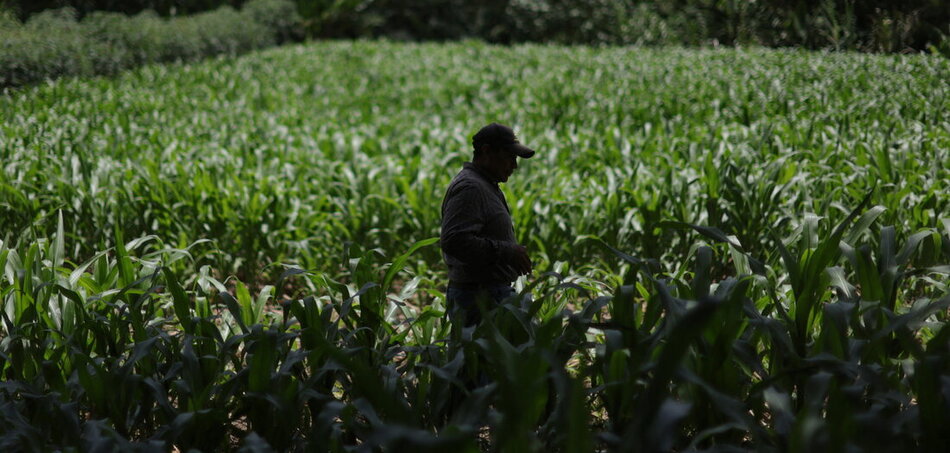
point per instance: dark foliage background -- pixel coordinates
(867, 25)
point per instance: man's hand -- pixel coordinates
(520, 260)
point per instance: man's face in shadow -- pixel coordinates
(500, 163)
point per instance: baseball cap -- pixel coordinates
(502, 136)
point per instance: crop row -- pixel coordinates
(121, 352)
(289, 154)
(751, 247)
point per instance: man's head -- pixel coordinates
(497, 151)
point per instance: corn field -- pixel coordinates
(735, 249)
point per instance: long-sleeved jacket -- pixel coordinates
(477, 232)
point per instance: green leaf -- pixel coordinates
(267, 292)
(247, 311)
(237, 312)
(126, 272)
(77, 273)
(180, 300)
(863, 223)
(710, 232)
(58, 247)
(400, 261)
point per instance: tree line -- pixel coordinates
(864, 25)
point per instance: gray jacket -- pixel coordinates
(477, 233)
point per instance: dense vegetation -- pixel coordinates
(749, 249)
(49, 39)
(869, 25)
(54, 43)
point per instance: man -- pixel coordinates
(478, 238)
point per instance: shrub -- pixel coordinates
(31, 52)
(179, 41)
(225, 31)
(603, 22)
(8, 20)
(60, 19)
(565, 21)
(942, 47)
(54, 43)
(643, 24)
(279, 16)
(140, 36)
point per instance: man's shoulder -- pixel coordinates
(462, 188)
(467, 189)
(468, 179)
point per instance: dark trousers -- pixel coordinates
(462, 302)
(462, 305)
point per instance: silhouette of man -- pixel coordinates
(478, 238)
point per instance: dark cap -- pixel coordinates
(501, 136)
